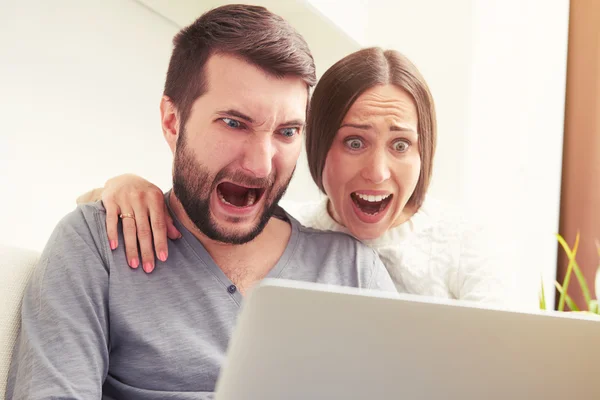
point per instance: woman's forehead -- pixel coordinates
(387, 103)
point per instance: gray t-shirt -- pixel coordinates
(94, 328)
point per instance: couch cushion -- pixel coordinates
(16, 266)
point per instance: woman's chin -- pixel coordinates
(363, 231)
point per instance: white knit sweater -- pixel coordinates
(436, 253)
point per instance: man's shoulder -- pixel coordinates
(88, 213)
(90, 217)
(307, 212)
(75, 258)
(335, 241)
(316, 233)
(326, 234)
(84, 226)
(342, 259)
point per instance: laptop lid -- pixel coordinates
(299, 340)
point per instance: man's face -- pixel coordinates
(237, 151)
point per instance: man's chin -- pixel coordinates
(234, 233)
(236, 229)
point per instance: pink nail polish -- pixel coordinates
(148, 266)
(134, 263)
(113, 244)
(162, 256)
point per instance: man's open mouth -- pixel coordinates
(237, 195)
(371, 204)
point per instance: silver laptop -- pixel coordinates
(305, 341)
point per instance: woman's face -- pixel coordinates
(373, 165)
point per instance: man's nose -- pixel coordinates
(258, 156)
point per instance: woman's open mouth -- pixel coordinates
(238, 196)
(371, 205)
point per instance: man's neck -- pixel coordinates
(244, 263)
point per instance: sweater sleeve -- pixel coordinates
(63, 346)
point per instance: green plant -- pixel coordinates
(573, 267)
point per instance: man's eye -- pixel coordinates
(232, 123)
(289, 132)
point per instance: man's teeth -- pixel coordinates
(251, 198)
(371, 198)
(222, 198)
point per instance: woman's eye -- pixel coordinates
(232, 123)
(354, 144)
(401, 146)
(289, 132)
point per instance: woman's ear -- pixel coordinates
(169, 122)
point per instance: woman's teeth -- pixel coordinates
(371, 198)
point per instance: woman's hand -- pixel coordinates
(149, 225)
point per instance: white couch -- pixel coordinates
(16, 266)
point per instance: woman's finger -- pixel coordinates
(130, 238)
(112, 223)
(172, 232)
(144, 237)
(158, 224)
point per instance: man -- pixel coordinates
(233, 111)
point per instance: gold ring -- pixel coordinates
(126, 215)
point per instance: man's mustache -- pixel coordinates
(242, 179)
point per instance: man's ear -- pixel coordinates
(169, 122)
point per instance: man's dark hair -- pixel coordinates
(250, 32)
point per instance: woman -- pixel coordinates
(370, 141)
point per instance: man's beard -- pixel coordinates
(193, 186)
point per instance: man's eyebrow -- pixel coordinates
(294, 122)
(237, 114)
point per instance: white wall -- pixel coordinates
(350, 16)
(513, 161)
(81, 84)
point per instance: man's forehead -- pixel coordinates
(229, 70)
(232, 83)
